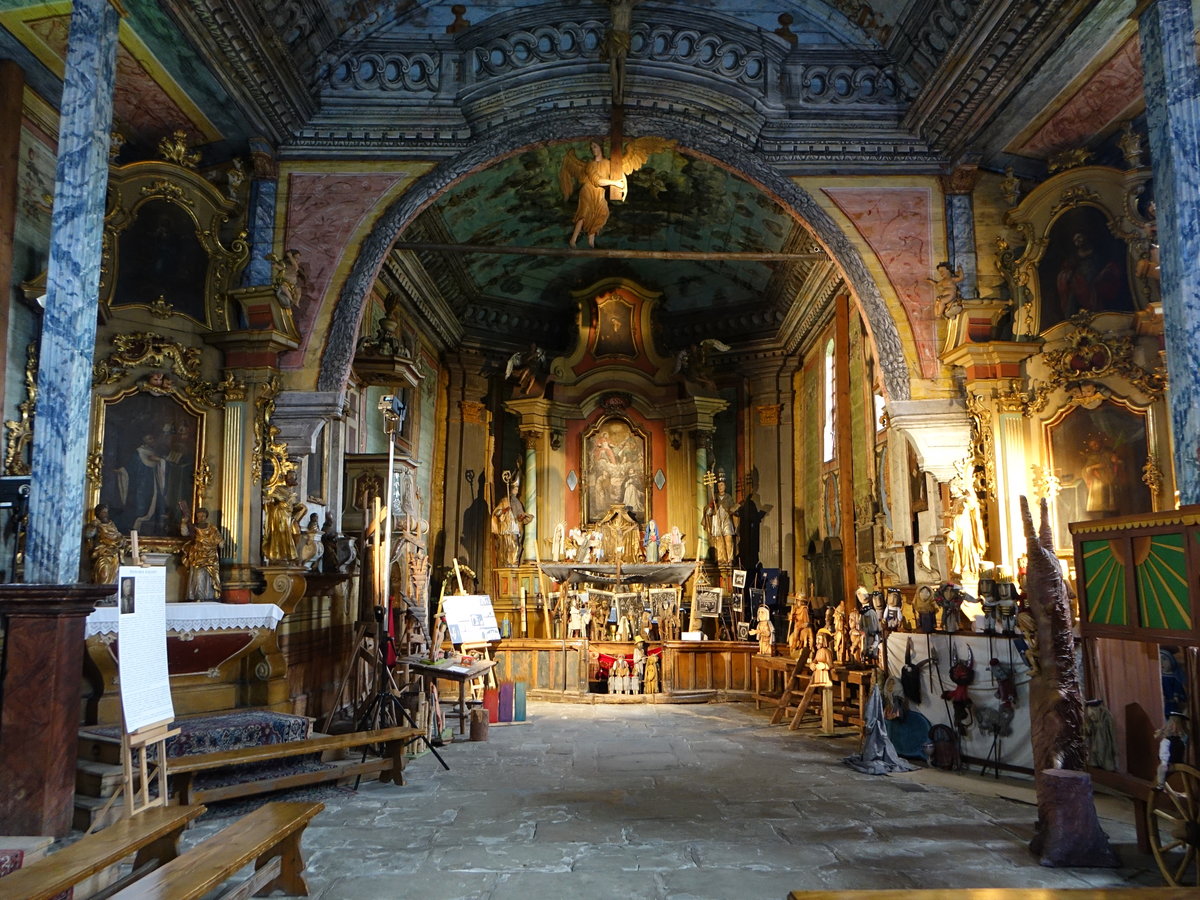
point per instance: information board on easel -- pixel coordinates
(146, 707)
(470, 619)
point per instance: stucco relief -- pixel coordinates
(1104, 98)
(324, 211)
(898, 226)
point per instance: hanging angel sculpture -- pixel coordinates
(598, 173)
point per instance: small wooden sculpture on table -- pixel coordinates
(651, 682)
(800, 634)
(765, 632)
(822, 660)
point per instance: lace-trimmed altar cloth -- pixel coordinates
(192, 617)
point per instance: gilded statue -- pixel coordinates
(200, 555)
(105, 546)
(594, 175)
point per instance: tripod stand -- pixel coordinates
(385, 708)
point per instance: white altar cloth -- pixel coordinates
(192, 617)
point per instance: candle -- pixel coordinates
(133, 548)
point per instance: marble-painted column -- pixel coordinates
(1172, 89)
(260, 214)
(960, 226)
(59, 453)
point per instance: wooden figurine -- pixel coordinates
(651, 680)
(800, 632)
(765, 632)
(822, 660)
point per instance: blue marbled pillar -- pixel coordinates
(260, 220)
(960, 238)
(69, 328)
(1172, 86)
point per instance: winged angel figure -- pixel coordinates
(594, 175)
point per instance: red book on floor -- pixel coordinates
(506, 701)
(491, 702)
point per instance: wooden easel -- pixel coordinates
(135, 758)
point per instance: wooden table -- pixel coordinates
(459, 673)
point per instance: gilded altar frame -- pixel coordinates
(1086, 239)
(173, 244)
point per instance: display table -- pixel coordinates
(775, 668)
(463, 675)
(220, 656)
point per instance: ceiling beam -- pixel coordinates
(594, 253)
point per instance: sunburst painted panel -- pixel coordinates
(1103, 584)
(1162, 585)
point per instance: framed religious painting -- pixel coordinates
(151, 439)
(172, 244)
(1084, 268)
(616, 324)
(1098, 456)
(615, 456)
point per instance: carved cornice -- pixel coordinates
(988, 59)
(257, 69)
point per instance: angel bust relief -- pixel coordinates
(594, 175)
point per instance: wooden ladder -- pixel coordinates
(795, 681)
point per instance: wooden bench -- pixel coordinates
(269, 837)
(183, 769)
(152, 834)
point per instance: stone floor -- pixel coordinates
(677, 801)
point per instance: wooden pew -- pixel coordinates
(269, 837)
(152, 834)
(183, 769)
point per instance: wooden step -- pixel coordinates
(88, 811)
(97, 779)
(99, 748)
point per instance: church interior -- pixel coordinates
(793, 354)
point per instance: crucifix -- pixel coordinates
(616, 47)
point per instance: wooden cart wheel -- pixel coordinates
(1173, 820)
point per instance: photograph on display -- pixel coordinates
(663, 601)
(128, 596)
(739, 579)
(708, 601)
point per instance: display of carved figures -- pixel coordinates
(674, 541)
(800, 634)
(577, 543)
(650, 541)
(594, 175)
(926, 607)
(822, 661)
(893, 613)
(950, 598)
(558, 544)
(621, 536)
(947, 303)
(718, 522)
(965, 539)
(105, 546)
(508, 523)
(308, 546)
(765, 632)
(650, 683)
(200, 555)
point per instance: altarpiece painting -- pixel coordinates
(1084, 268)
(615, 469)
(150, 443)
(1098, 457)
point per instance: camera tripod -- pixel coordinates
(385, 708)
